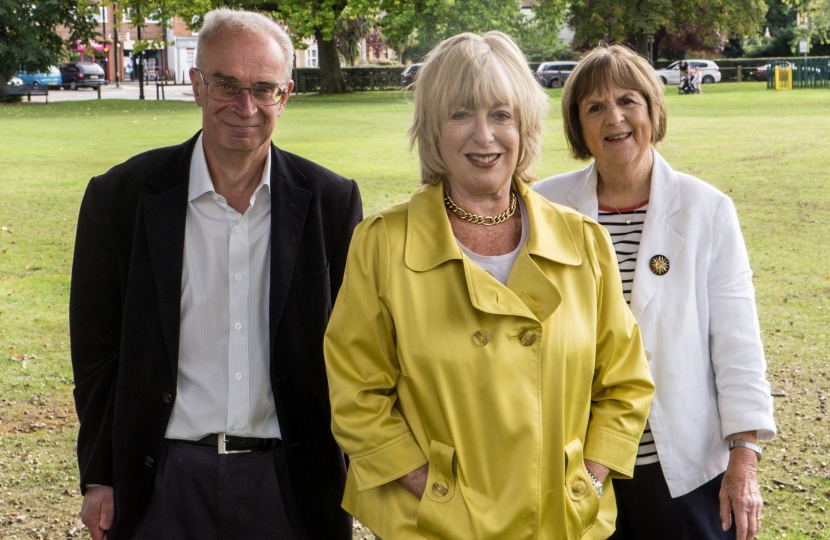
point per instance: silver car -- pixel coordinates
(708, 69)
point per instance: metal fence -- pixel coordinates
(807, 73)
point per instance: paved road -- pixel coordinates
(127, 90)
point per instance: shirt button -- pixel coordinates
(578, 488)
(166, 397)
(527, 338)
(238, 325)
(237, 229)
(148, 461)
(237, 277)
(440, 488)
(238, 376)
(481, 338)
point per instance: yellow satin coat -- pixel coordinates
(503, 390)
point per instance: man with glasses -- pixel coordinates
(203, 278)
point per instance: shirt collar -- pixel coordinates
(201, 183)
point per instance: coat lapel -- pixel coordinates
(289, 206)
(165, 213)
(658, 237)
(529, 292)
(583, 195)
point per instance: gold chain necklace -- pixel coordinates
(487, 221)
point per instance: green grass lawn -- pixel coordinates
(768, 150)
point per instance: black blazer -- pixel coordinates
(124, 313)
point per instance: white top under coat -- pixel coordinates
(500, 266)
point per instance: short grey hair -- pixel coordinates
(255, 23)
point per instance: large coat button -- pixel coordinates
(481, 338)
(149, 461)
(440, 488)
(167, 397)
(579, 487)
(527, 338)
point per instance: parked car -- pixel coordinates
(408, 74)
(708, 69)
(14, 81)
(51, 78)
(549, 73)
(81, 74)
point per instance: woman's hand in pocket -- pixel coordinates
(416, 481)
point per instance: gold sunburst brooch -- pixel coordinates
(659, 264)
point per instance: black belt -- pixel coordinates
(228, 444)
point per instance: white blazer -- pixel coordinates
(698, 321)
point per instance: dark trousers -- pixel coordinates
(201, 495)
(646, 509)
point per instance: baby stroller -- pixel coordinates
(686, 86)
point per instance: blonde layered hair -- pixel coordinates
(620, 66)
(475, 71)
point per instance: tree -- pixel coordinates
(709, 22)
(29, 38)
(304, 18)
(348, 33)
(138, 12)
(419, 25)
(812, 21)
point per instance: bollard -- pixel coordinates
(739, 73)
(99, 90)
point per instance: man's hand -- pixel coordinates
(97, 511)
(739, 493)
(416, 481)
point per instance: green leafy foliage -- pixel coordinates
(28, 33)
(711, 22)
(419, 25)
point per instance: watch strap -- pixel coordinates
(735, 443)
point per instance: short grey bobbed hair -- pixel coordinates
(470, 70)
(611, 64)
(224, 19)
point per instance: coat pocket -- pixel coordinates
(580, 494)
(439, 490)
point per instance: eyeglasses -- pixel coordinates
(261, 93)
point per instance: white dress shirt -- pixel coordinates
(698, 321)
(224, 382)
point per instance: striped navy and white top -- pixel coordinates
(626, 228)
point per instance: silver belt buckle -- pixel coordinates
(222, 446)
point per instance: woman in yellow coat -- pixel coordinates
(486, 376)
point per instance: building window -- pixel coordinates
(101, 16)
(153, 18)
(311, 57)
(190, 58)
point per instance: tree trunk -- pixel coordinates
(331, 76)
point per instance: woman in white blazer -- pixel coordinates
(686, 276)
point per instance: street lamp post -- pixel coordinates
(651, 49)
(116, 53)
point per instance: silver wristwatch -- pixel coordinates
(736, 443)
(597, 484)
